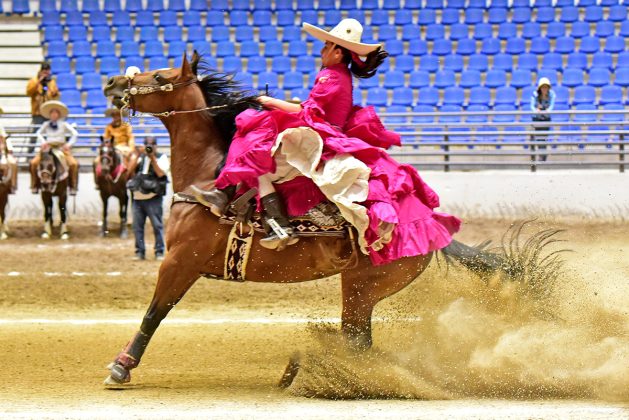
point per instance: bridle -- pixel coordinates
(111, 160)
(41, 170)
(135, 90)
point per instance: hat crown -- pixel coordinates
(543, 81)
(349, 30)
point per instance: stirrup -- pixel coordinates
(279, 238)
(217, 208)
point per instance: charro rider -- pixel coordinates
(7, 158)
(340, 147)
(52, 135)
(121, 135)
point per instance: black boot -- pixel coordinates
(217, 200)
(281, 233)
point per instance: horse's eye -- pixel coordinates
(158, 77)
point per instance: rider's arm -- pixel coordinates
(74, 135)
(107, 134)
(274, 103)
(133, 165)
(41, 133)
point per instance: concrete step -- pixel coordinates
(19, 71)
(13, 87)
(27, 39)
(8, 121)
(16, 104)
(21, 55)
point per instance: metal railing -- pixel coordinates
(440, 140)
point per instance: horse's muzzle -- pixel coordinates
(115, 87)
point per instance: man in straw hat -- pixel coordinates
(339, 148)
(121, 135)
(52, 135)
(6, 156)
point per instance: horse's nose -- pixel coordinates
(110, 82)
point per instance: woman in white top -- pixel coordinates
(7, 158)
(53, 134)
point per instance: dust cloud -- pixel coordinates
(490, 338)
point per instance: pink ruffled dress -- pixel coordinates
(338, 151)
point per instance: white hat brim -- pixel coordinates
(46, 108)
(357, 47)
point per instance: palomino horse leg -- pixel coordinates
(47, 200)
(105, 199)
(63, 212)
(124, 201)
(175, 278)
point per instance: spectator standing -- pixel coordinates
(41, 88)
(542, 101)
(7, 158)
(148, 184)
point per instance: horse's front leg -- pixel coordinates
(4, 229)
(47, 200)
(124, 201)
(63, 212)
(105, 200)
(175, 278)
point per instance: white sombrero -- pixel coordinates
(47, 107)
(347, 34)
(543, 81)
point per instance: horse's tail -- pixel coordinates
(475, 258)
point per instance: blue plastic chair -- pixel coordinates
(505, 95)
(177, 5)
(551, 75)
(455, 4)
(442, 47)
(297, 48)
(402, 17)
(539, 45)
(564, 45)
(610, 94)
(219, 5)
(584, 94)
(105, 49)
(545, 14)
(310, 16)
(225, 49)
(215, 18)
(98, 18)
(615, 44)
(622, 77)
(417, 47)
(569, 14)
(429, 63)
(552, 61)
(589, 45)
(577, 60)
(135, 61)
(449, 16)
(244, 33)
(393, 79)
(196, 33)
(555, 30)
(495, 78)
(101, 33)
(231, 64)
(402, 97)
(95, 99)
(507, 31)
(249, 49)
(168, 18)
(428, 96)
(220, 33)
(129, 49)
(520, 78)
(68, 6)
(387, 32)
(527, 61)
(444, 79)
(267, 33)
(66, 81)
(238, 17)
(74, 19)
(459, 31)
(90, 6)
(302, 95)
(515, 46)
(479, 95)
(121, 19)
(435, 31)
(572, 77)
(199, 5)
(305, 63)
(426, 17)
(158, 63)
(144, 18)
(477, 62)
(358, 14)
(618, 13)
(477, 4)
(419, 79)
(71, 97)
(602, 60)
(605, 28)
(470, 79)
(262, 17)
(580, 29)
(109, 65)
(153, 48)
(291, 33)
(369, 83)
(176, 49)
(91, 81)
(155, 5)
(173, 34)
(133, 5)
(293, 80)
(191, 18)
(348, 5)
(57, 49)
(466, 46)
(599, 77)
(125, 33)
(394, 47)
(51, 18)
(453, 62)
(404, 63)
(84, 64)
(282, 64)
(386, 4)
(482, 31)
(593, 13)
(531, 30)
(240, 5)
(267, 78)
(497, 15)
(256, 64)
(53, 33)
(453, 95)
(44, 6)
(81, 49)
(521, 15)
(503, 62)
(473, 16)
(490, 46)
(623, 60)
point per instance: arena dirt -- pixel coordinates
(450, 345)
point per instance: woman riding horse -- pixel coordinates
(340, 147)
(52, 135)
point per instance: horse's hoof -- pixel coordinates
(124, 234)
(118, 376)
(291, 371)
(45, 235)
(3, 236)
(65, 236)
(103, 233)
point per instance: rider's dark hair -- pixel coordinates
(368, 67)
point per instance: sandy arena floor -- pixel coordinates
(448, 346)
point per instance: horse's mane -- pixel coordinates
(222, 89)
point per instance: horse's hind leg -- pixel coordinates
(4, 230)
(174, 281)
(103, 228)
(124, 201)
(63, 212)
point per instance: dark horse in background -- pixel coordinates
(53, 181)
(199, 113)
(111, 178)
(5, 188)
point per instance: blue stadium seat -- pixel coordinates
(173, 33)
(470, 79)
(84, 64)
(545, 14)
(495, 78)
(348, 5)
(428, 96)
(589, 44)
(531, 30)
(602, 60)
(215, 18)
(191, 18)
(402, 96)
(379, 17)
(477, 62)
(442, 47)
(176, 49)
(607, 117)
(71, 97)
(91, 81)
(105, 49)
(267, 78)
(220, 33)
(564, 45)
(404, 62)
(419, 79)
(240, 5)
(49, 18)
(466, 46)
(285, 4)
(101, 33)
(572, 77)
(302, 94)
(121, 19)
(144, 18)
(482, 31)
(402, 17)
(387, 32)
(377, 97)
(394, 47)
(444, 79)
(521, 15)
(505, 118)
(68, 6)
(177, 5)
(549, 74)
(133, 5)
(109, 65)
(267, 33)
(477, 4)
(238, 17)
(158, 63)
(455, 4)
(585, 117)
(282, 64)
(539, 45)
(44, 6)
(310, 16)
(599, 77)
(293, 80)
(434, 31)
(369, 83)
(393, 79)
(473, 16)
(136, 61)
(584, 94)
(167, 18)
(605, 28)
(155, 5)
(565, 3)
(580, 29)
(262, 17)
(57, 49)
(423, 119)
(129, 49)
(453, 62)
(358, 14)
(225, 49)
(503, 62)
(417, 47)
(577, 60)
(490, 46)
(386, 4)
(125, 33)
(249, 49)
(445, 119)
(527, 61)
(593, 13)
(479, 95)
(291, 33)
(81, 49)
(256, 64)
(507, 31)
(552, 61)
(426, 17)
(66, 81)
(219, 5)
(95, 99)
(305, 63)
(555, 29)
(297, 48)
(459, 31)
(615, 44)
(618, 13)
(622, 76)
(231, 64)
(505, 95)
(449, 16)
(569, 14)
(515, 46)
(520, 78)
(74, 19)
(429, 63)
(89, 6)
(98, 18)
(623, 60)
(244, 33)
(610, 94)
(154, 48)
(53, 33)
(497, 15)
(453, 95)
(199, 5)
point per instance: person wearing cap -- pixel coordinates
(121, 135)
(41, 88)
(52, 135)
(339, 149)
(6, 156)
(542, 101)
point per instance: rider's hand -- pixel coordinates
(264, 100)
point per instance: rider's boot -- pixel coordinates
(281, 234)
(216, 199)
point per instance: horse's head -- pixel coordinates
(107, 157)
(156, 91)
(47, 171)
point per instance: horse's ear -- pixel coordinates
(195, 62)
(186, 70)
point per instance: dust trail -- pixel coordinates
(496, 340)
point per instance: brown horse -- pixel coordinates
(111, 178)
(5, 188)
(54, 183)
(199, 114)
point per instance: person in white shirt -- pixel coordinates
(148, 179)
(7, 158)
(52, 135)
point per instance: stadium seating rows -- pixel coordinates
(442, 54)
